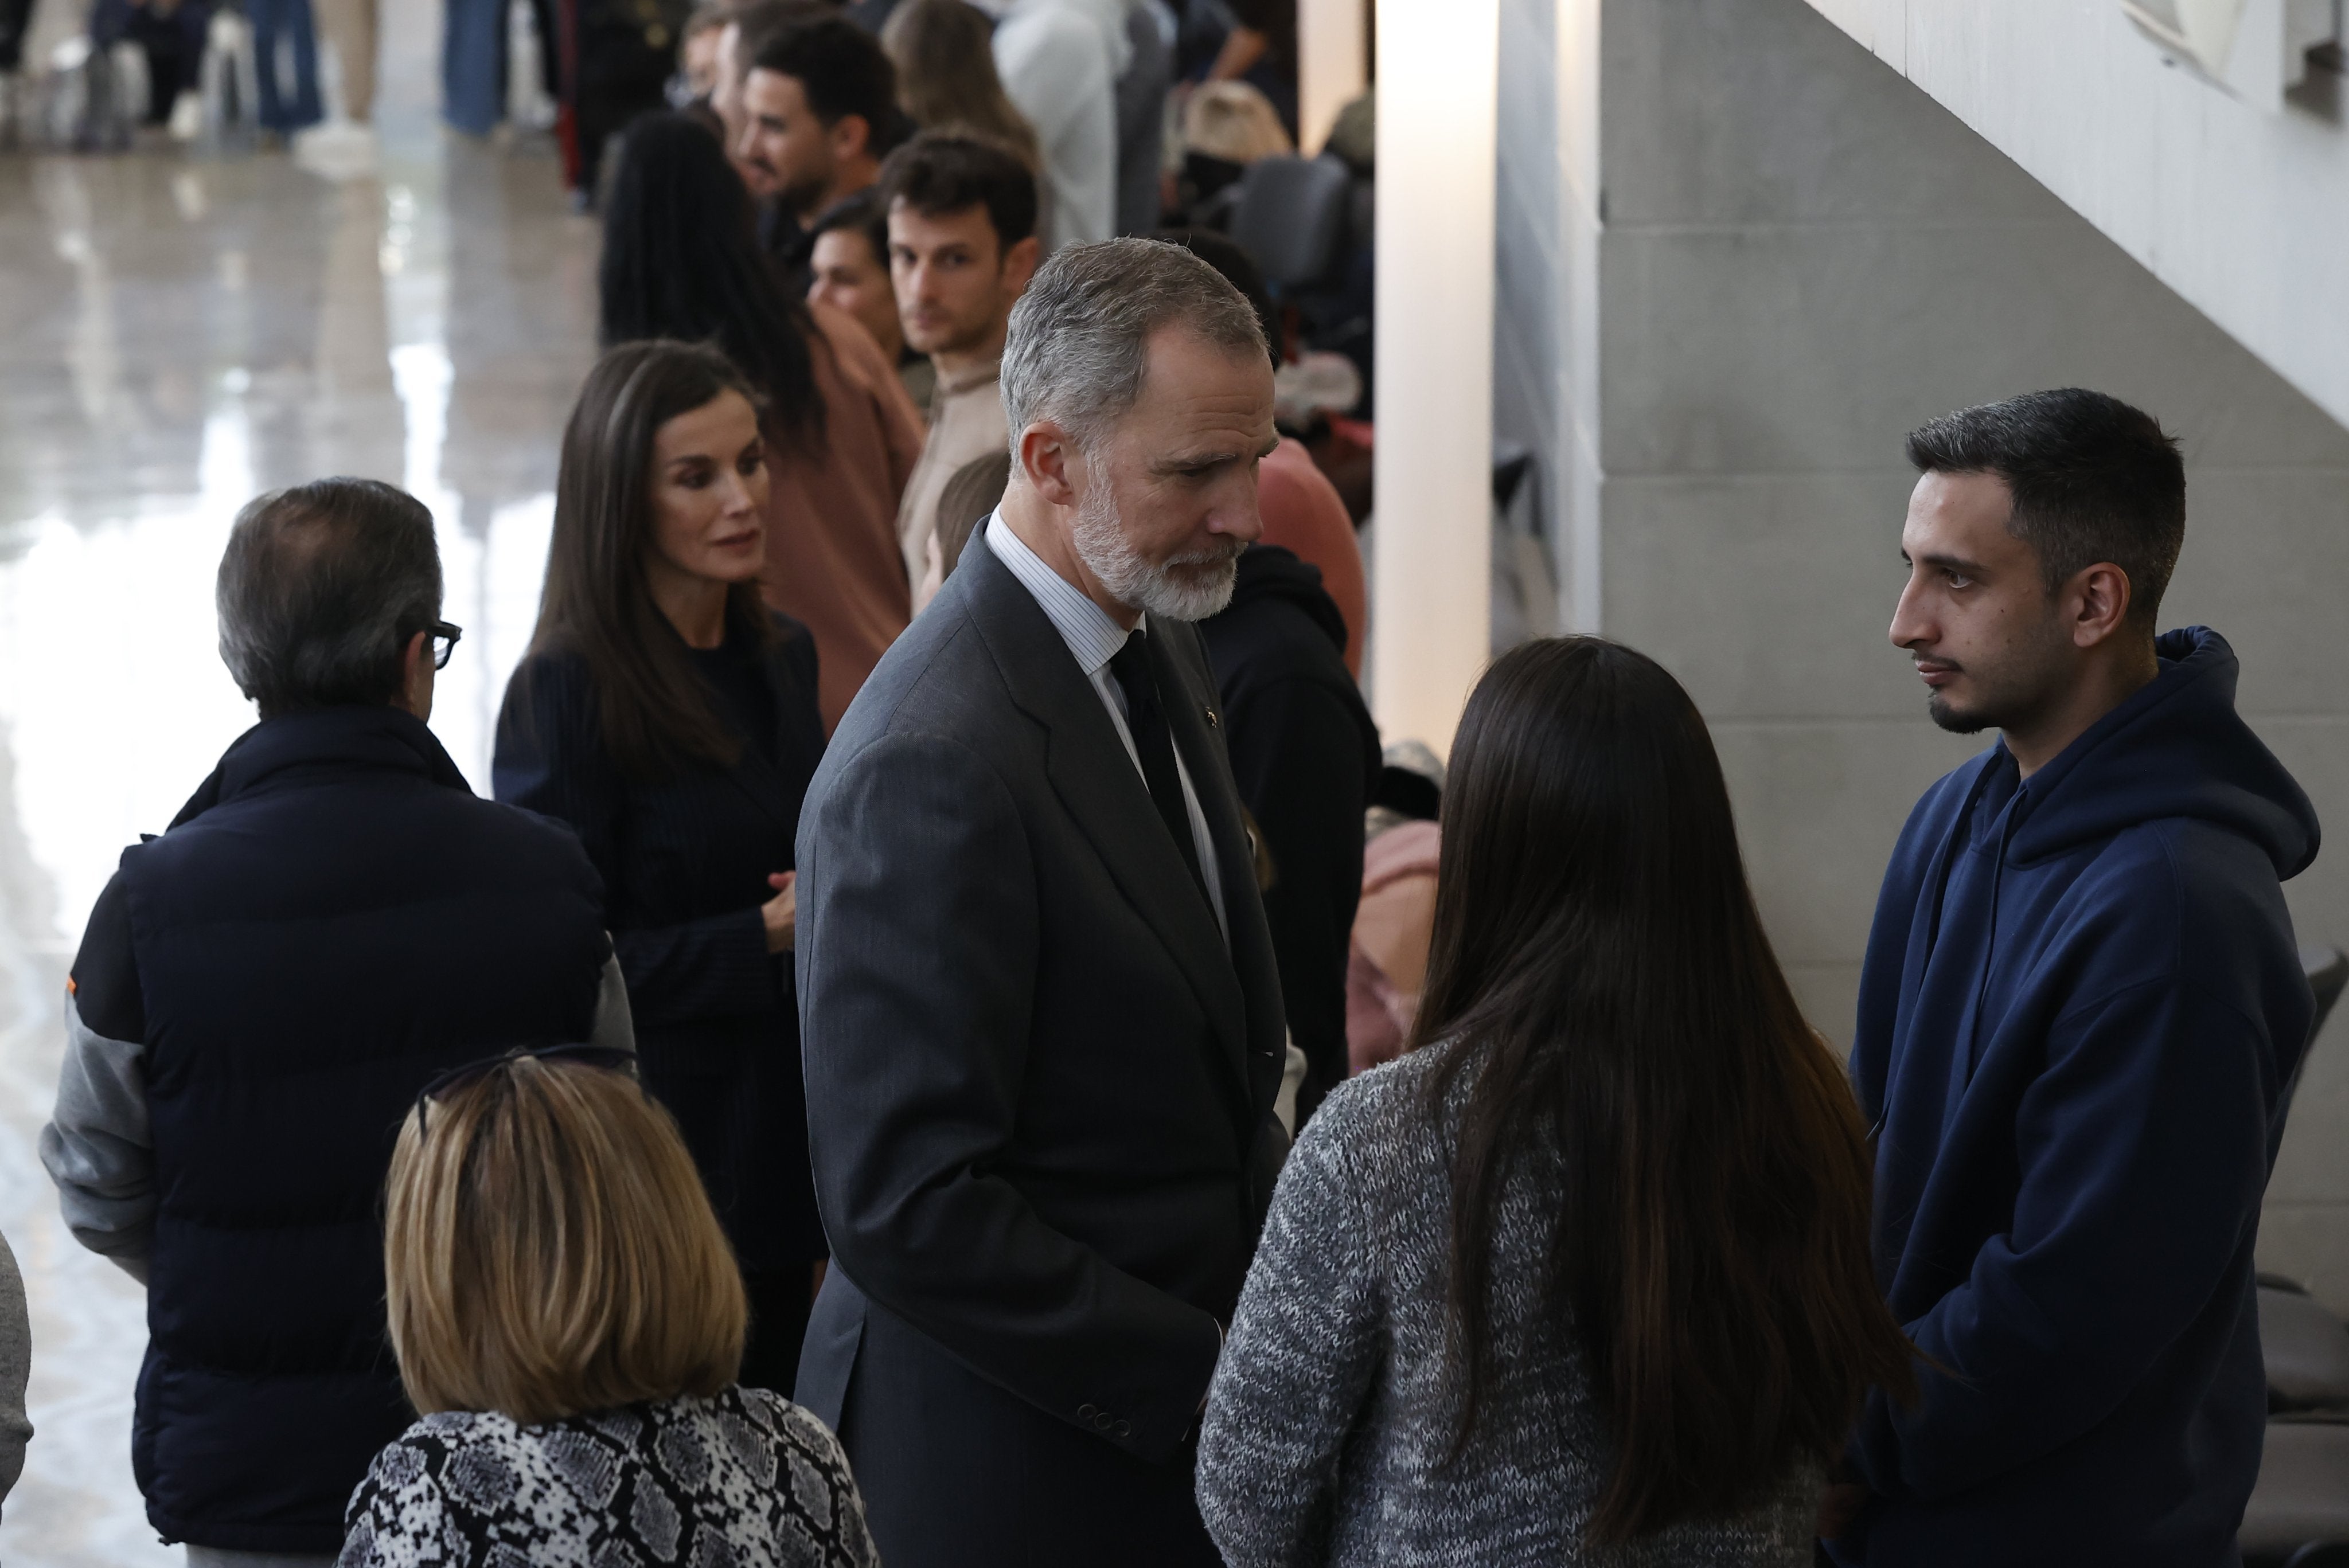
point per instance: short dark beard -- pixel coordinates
(2003, 710)
(1952, 720)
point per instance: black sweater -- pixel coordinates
(1305, 754)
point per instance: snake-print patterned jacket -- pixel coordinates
(743, 1477)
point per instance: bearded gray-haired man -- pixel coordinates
(1041, 1021)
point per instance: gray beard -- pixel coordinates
(1132, 581)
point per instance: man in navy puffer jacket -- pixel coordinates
(333, 920)
(2080, 1010)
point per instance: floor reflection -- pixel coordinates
(177, 334)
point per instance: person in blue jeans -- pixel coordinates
(290, 20)
(2080, 1009)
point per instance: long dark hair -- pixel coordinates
(655, 707)
(1606, 998)
(946, 79)
(681, 259)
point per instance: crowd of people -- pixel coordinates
(882, 1079)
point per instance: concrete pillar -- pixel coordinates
(1333, 64)
(1432, 600)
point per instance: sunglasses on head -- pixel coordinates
(609, 1058)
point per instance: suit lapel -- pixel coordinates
(1103, 791)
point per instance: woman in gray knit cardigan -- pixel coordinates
(1583, 1278)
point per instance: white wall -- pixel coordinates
(1797, 258)
(1430, 594)
(1546, 316)
(2241, 206)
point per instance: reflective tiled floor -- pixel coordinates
(179, 331)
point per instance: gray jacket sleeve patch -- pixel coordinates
(98, 1147)
(15, 1364)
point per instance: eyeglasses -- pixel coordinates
(444, 642)
(611, 1058)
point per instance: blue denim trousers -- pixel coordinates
(473, 65)
(291, 20)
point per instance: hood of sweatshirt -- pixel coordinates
(1269, 571)
(2175, 750)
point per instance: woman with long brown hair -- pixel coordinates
(681, 259)
(670, 718)
(1588, 1267)
(946, 79)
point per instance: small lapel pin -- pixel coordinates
(1212, 721)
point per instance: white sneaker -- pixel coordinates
(337, 149)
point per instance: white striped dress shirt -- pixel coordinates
(1094, 640)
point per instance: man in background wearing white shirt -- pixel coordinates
(1060, 61)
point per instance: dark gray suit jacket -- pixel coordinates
(1039, 1089)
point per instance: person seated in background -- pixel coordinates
(1261, 52)
(848, 267)
(1226, 126)
(962, 247)
(567, 1321)
(332, 920)
(1586, 1273)
(679, 261)
(819, 103)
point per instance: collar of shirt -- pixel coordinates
(1093, 637)
(984, 373)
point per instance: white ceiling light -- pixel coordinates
(2199, 33)
(2256, 50)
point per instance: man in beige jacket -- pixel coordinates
(962, 246)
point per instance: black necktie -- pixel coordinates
(1155, 742)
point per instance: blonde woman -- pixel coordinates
(569, 1320)
(1236, 122)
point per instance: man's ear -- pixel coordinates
(1020, 264)
(1046, 456)
(2097, 602)
(416, 673)
(852, 135)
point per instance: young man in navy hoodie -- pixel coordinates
(2080, 1009)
